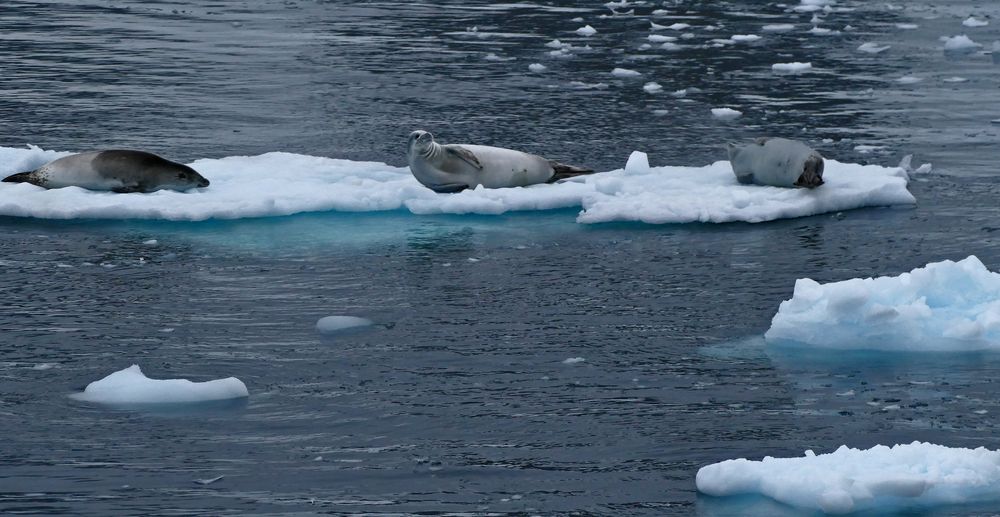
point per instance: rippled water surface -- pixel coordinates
(459, 399)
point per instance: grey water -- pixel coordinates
(459, 400)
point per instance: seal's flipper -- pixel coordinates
(464, 154)
(562, 171)
(449, 188)
(745, 179)
(21, 177)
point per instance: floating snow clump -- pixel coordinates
(944, 306)
(973, 22)
(726, 113)
(792, 68)
(960, 43)
(586, 30)
(873, 48)
(130, 386)
(332, 324)
(855, 480)
(625, 72)
(744, 38)
(537, 68)
(652, 87)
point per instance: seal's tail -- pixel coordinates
(21, 177)
(563, 171)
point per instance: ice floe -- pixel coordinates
(944, 306)
(625, 72)
(880, 479)
(279, 184)
(652, 87)
(537, 68)
(778, 27)
(960, 43)
(873, 48)
(586, 30)
(726, 113)
(334, 324)
(130, 386)
(791, 68)
(972, 21)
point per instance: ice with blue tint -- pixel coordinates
(881, 479)
(278, 184)
(944, 306)
(334, 324)
(131, 386)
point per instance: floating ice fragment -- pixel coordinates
(658, 38)
(909, 79)
(907, 26)
(954, 79)
(493, 57)
(791, 68)
(574, 360)
(873, 48)
(537, 68)
(580, 85)
(972, 21)
(679, 26)
(332, 324)
(778, 27)
(960, 43)
(652, 87)
(865, 148)
(130, 386)
(944, 306)
(557, 44)
(638, 163)
(726, 113)
(586, 30)
(150, 242)
(670, 46)
(625, 72)
(744, 38)
(653, 26)
(881, 479)
(822, 31)
(208, 481)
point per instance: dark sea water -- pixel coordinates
(458, 400)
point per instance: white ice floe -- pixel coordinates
(334, 324)
(960, 43)
(279, 184)
(659, 38)
(778, 27)
(586, 30)
(726, 113)
(537, 68)
(573, 360)
(823, 31)
(873, 48)
(907, 26)
(652, 87)
(944, 306)
(679, 26)
(909, 79)
(972, 21)
(955, 79)
(130, 386)
(791, 68)
(625, 72)
(744, 38)
(881, 479)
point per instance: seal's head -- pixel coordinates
(812, 172)
(183, 178)
(420, 141)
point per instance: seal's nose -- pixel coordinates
(203, 183)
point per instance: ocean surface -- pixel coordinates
(460, 399)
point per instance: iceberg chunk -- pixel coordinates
(130, 386)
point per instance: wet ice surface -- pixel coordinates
(461, 398)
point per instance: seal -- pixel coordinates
(454, 168)
(115, 170)
(778, 162)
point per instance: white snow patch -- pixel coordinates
(791, 68)
(726, 113)
(652, 87)
(130, 386)
(537, 68)
(960, 43)
(332, 324)
(944, 306)
(638, 163)
(972, 21)
(586, 30)
(854, 480)
(873, 48)
(625, 72)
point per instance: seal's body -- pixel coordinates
(777, 162)
(115, 170)
(453, 168)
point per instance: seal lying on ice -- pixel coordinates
(454, 168)
(778, 162)
(114, 170)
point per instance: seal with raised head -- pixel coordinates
(777, 162)
(454, 168)
(115, 170)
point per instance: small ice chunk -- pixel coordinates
(744, 38)
(822, 31)
(151, 242)
(865, 148)
(909, 79)
(873, 48)
(625, 72)
(661, 112)
(659, 38)
(331, 324)
(954, 79)
(778, 27)
(960, 43)
(537, 68)
(580, 85)
(556, 44)
(907, 26)
(791, 68)
(972, 21)
(680, 93)
(493, 57)
(130, 386)
(726, 113)
(43, 366)
(586, 30)
(652, 87)
(574, 360)
(638, 163)
(670, 46)
(208, 481)
(679, 26)
(653, 26)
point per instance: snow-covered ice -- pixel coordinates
(909, 79)
(726, 113)
(972, 21)
(791, 68)
(944, 306)
(278, 184)
(333, 324)
(778, 27)
(744, 38)
(586, 30)
(537, 68)
(960, 43)
(638, 163)
(625, 72)
(130, 386)
(880, 479)
(652, 87)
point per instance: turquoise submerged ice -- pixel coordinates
(944, 306)
(277, 184)
(849, 480)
